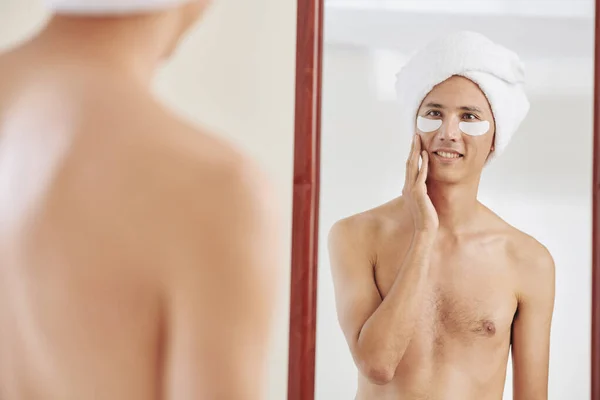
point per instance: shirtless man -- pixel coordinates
(137, 253)
(433, 288)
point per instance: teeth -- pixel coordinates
(448, 155)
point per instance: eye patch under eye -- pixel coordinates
(428, 125)
(474, 128)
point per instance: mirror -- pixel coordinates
(499, 296)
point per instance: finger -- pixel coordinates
(415, 159)
(422, 178)
(412, 167)
(409, 178)
(418, 144)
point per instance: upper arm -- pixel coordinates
(356, 293)
(531, 327)
(222, 295)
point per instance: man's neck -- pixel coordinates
(456, 204)
(131, 45)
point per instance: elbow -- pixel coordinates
(376, 360)
(377, 373)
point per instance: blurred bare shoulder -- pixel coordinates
(183, 156)
(214, 180)
(179, 184)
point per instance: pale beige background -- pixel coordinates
(235, 73)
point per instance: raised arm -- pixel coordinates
(378, 332)
(221, 297)
(531, 327)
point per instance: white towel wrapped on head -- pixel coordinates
(497, 71)
(107, 7)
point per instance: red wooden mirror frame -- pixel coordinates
(305, 220)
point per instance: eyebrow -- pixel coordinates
(464, 108)
(471, 109)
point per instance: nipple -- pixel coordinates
(489, 327)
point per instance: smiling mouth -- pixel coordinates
(447, 155)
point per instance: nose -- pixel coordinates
(449, 130)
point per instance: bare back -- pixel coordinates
(460, 345)
(109, 271)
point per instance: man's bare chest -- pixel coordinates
(468, 295)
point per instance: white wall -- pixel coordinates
(235, 73)
(541, 184)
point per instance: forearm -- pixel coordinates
(387, 333)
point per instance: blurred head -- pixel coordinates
(451, 121)
(161, 24)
